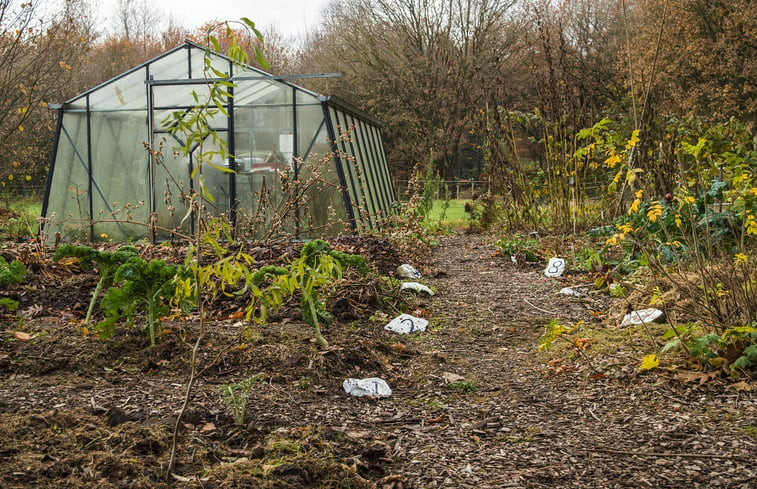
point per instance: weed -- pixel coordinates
(463, 386)
(555, 330)
(11, 273)
(9, 304)
(520, 248)
(236, 396)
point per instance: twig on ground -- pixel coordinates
(539, 308)
(668, 454)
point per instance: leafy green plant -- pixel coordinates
(141, 288)
(521, 247)
(736, 348)
(236, 396)
(317, 267)
(105, 262)
(11, 273)
(195, 127)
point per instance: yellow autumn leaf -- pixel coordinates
(28, 178)
(20, 128)
(740, 259)
(634, 207)
(750, 224)
(649, 362)
(612, 161)
(654, 212)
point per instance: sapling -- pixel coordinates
(105, 262)
(142, 286)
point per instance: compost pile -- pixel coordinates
(474, 404)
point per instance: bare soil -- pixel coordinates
(474, 403)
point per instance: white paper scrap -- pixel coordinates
(642, 316)
(416, 287)
(373, 387)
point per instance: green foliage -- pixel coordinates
(9, 304)
(463, 386)
(11, 273)
(317, 268)
(521, 247)
(736, 347)
(106, 263)
(568, 333)
(552, 330)
(432, 183)
(141, 288)
(748, 359)
(236, 396)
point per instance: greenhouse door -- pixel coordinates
(174, 176)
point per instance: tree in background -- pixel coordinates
(424, 67)
(42, 53)
(697, 56)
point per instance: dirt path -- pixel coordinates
(523, 429)
(79, 412)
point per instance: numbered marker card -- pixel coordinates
(555, 267)
(406, 324)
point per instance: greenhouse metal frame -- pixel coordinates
(115, 173)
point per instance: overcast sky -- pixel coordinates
(290, 17)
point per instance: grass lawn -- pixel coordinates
(21, 220)
(454, 215)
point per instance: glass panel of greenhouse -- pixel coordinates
(295, 164)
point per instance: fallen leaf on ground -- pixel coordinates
(701, 377)
(21, 336)
(742, 386)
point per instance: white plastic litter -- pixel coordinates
(416, 287)
(407, 271)
(405, 324)
(373, 387)
(555, 267)
(570, 291)
(643, 316)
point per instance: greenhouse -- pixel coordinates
(287, 161)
